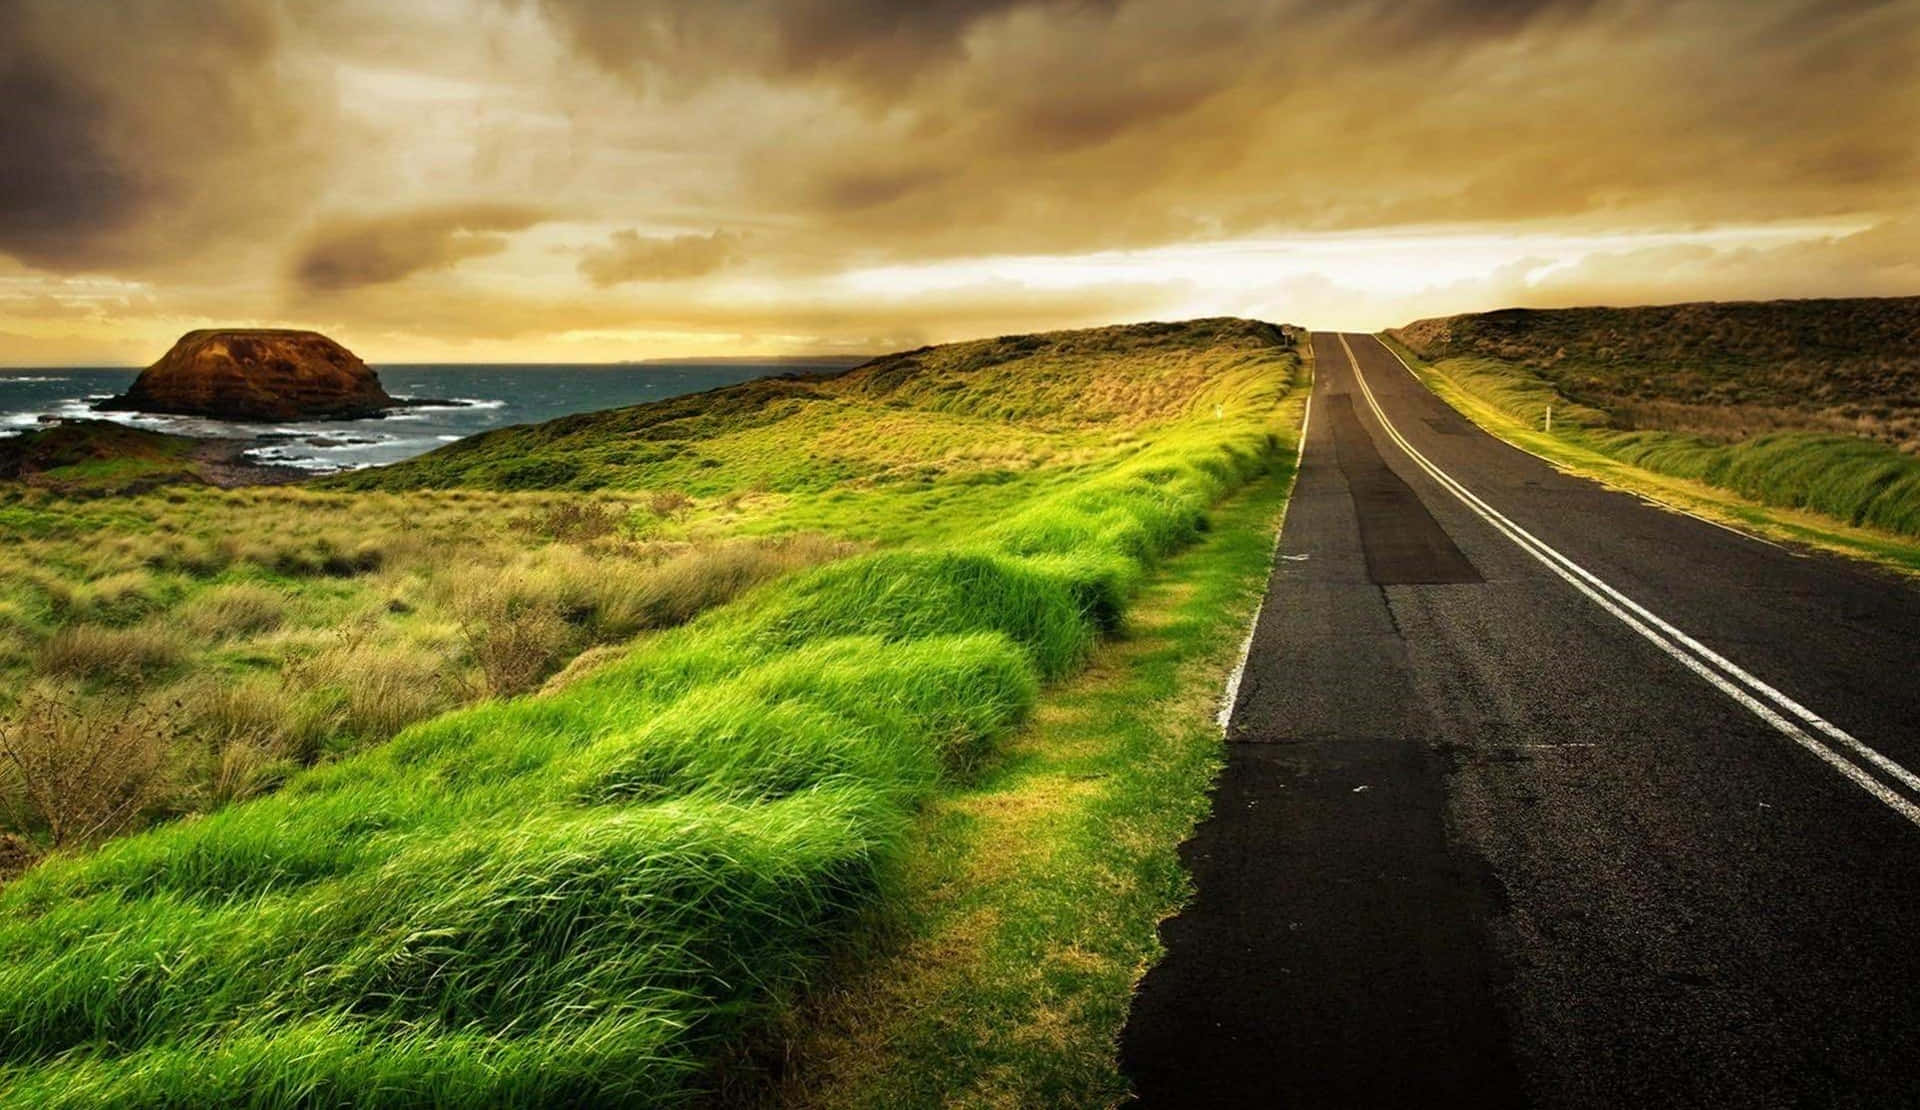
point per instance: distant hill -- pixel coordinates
(1736, 368)
(803, 364)
(790, 434)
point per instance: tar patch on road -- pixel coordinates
(1403, 544)
(1334, 955)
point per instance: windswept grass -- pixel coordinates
(580, 897)
(273, 634)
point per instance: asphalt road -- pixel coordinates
(1560, 800)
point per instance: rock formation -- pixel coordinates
(257, 374)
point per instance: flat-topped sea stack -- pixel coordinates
(257, 374)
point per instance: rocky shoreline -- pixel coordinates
(225, 463)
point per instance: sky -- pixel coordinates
(593, 180)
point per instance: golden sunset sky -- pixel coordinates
(584, 180)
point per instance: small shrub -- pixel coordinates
(16, 855)
(80, 775)
(515, 642)
(669, 504)
(572, 521)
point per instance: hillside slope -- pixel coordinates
(1809, 405)
(938, 412)
(1725, 369)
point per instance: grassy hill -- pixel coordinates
(846, 594)
(95, 456)
(1726, 370)
(1799, 404)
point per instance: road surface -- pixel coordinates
(1537, 794)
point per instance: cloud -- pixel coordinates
(630, 256)
(135, 131)
(345, 254)
(876, 46)
(268, 160)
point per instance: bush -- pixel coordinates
(669, 503)
(79, 775)
(516, 642)
(573, 521)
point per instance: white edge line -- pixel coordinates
(1567, 569)
(1231, 695)
(1808, 716)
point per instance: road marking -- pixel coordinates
(1710, 665)
(1231, 694)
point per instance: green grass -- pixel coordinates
(1031, 898)
(585, 896)
(1841, 492)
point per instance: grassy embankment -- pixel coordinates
(582, 895)
(1694, 403)
(1030, 898)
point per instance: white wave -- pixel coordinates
(29, 378)
(448, 404)
(276, 455)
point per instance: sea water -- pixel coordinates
(483, 396)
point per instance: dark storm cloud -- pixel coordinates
(59, 179)
(863, 44)
(349, 253)
(630, 256)
(122, 123)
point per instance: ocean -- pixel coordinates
(489, 396)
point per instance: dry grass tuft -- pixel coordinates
(231, 611)
(91, 651)
(572, 521)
